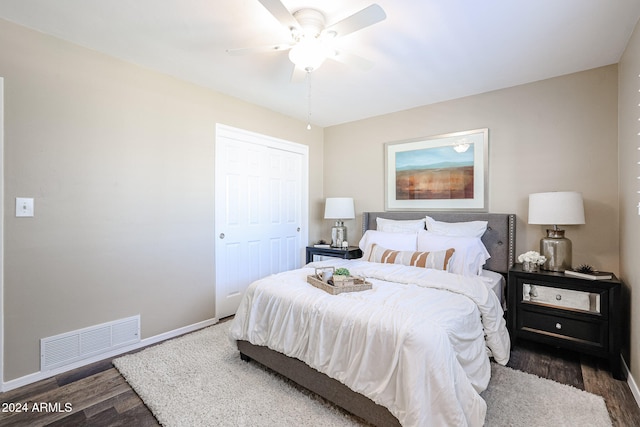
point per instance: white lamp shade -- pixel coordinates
(339, 208)
(556, 208)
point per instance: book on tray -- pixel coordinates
(594, 275)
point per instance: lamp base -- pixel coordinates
(557, 249)
(338, 234)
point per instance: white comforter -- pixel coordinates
(417, 343)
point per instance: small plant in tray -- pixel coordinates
(342, 272)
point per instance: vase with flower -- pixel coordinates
(531, 261)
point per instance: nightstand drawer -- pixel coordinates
(593, 333)
(561, 298)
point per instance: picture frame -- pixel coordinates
(441, 172)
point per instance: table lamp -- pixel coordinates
(556, 208)
(339, 208)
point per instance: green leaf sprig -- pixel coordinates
(341, 272)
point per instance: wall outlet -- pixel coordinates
(24, 207)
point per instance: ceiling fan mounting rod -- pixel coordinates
(311, 22)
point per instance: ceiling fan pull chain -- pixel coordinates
(308, 100)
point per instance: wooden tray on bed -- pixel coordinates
(359, 284)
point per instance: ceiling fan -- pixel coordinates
(311, 40)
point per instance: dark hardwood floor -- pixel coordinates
(99, 395)
(581, 371)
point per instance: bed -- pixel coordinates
(421, 354)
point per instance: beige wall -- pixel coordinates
(120, 162)
(553, 135)
(557, 134)
(629, 156)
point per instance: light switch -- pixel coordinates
(24, 207)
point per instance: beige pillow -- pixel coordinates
(437, 259)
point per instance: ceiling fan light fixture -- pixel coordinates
(308, 54)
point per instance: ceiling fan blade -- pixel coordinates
(281, 13)
(352, 60)
(368, 16)
(259, 49)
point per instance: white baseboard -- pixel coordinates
(632, 383)
(38, 376)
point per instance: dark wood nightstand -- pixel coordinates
(567, 312)
(350, 253)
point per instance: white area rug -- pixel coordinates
(199, 380)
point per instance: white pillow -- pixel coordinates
(470, 254)
(394, 241)
(399, 226)
(461, 229)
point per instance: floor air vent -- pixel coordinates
(70, 347)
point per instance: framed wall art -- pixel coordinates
(442, 172)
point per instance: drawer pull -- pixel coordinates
(558, 297)
(558, 326)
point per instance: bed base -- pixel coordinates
(319, 383)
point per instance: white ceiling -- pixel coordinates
(426, 51)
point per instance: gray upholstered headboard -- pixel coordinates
(499, 239)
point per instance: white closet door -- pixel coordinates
(260, 211)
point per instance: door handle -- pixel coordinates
(222, 235)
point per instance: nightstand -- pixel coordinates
(567, 312)
(350, 253)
